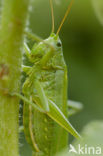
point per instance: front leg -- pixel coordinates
(47, 57)
(52, 67)
(33, 37)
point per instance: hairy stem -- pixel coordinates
(13, 21)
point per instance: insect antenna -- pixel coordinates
(52, 13)
(65, 16)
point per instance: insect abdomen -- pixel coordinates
(50, 137)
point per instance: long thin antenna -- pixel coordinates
(65, 16)
(52, 13)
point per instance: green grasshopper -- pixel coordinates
(45, 110)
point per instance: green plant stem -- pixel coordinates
(13, 22)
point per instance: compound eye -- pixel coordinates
(59, 44)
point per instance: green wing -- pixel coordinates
(56, 114)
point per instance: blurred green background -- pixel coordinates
(82, 38)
